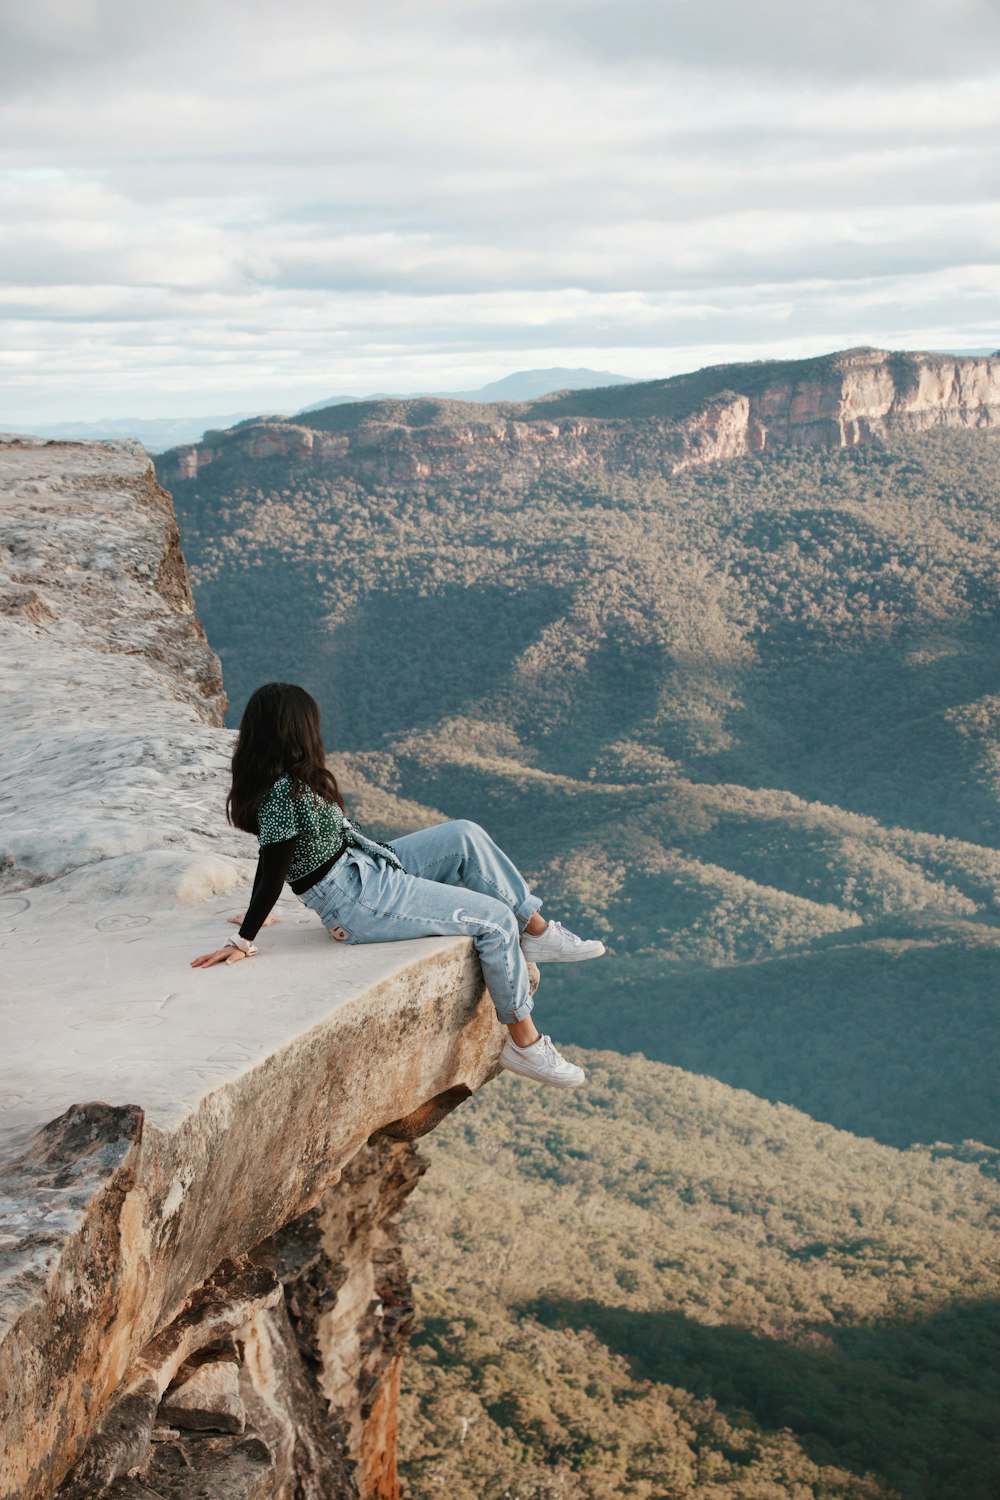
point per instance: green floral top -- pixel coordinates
(318, 826)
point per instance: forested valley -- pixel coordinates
(743, 722)
(659, 1286)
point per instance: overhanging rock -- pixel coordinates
(195, 1165)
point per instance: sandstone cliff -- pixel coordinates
(839, 401)
(201, 1288)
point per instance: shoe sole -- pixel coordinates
(563, 958)
(558, 1083)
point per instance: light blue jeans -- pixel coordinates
(455, 882)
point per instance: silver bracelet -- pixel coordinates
(243, 944)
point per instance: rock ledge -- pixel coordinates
(196, 1167)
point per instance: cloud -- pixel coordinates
(248, 200)
(853, 39)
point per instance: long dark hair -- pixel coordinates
(279, 736)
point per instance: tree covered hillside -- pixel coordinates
(743, 721)
(659, 1286)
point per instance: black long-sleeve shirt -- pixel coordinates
(272, 870)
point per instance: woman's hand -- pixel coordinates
(226, 955)
(237, 921)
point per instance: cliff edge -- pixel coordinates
(201, 1287)
(838, 400)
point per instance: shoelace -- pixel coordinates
(550, 1050)
(570, 937)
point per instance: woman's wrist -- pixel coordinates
(244, 945)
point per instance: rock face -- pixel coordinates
(201, 1289)
(90, 547)
(839, 401)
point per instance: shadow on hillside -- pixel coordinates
(917, 1404)
(895, 1040)
(404, 660)
(400, 660)
(569, 727)
(866, 729)
(267, 626)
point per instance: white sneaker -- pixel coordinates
(543, 1062)
(558, 945)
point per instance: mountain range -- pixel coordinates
(715, 658)
(523, 385)
(159, 433)
(656, 427)
(716, 654)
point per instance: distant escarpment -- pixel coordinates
(742, 720)
(727, 411)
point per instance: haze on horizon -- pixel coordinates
(233, 207)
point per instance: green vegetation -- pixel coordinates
(658, 1286)
(672, 399)
(744, 721)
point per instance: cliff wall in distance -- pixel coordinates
(775, 676)
(837, 401)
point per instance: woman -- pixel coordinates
(447, 880)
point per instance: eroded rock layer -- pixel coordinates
(838, 401)
(201, 1291)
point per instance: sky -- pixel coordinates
(218, 207)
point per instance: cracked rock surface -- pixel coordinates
(175, 1143)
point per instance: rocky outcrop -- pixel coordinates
(90, 547)
(201, 1288)
(862, 395)
(870, 394)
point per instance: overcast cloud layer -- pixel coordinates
(208, 206)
